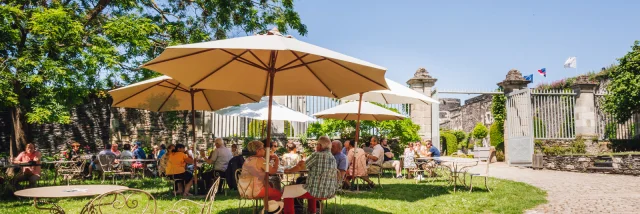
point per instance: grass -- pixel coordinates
(396, 196)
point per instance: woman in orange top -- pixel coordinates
(176, 164)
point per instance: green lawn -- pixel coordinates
(396, 196)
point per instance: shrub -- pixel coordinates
(578, 146)
(450, 140)
(480, 131)
(500, 155)
(496, 134)
(460, 135)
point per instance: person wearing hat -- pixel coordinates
(275, 207)
(138, 152)
(75, 153)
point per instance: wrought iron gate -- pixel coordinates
(519, 142)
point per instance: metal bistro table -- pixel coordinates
(58, 192)
(456, 166)
(281, 177)
(144, 166)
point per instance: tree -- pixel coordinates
(405, 130)
(480, 131)
(54, 54)
(624, 89)
(460, 135)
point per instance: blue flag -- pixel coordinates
(529, 77)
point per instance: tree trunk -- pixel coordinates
(19, 140)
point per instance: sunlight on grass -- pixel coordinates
(396, 196)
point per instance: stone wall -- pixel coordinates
(620, 164)
(474, 110)
(95, 123)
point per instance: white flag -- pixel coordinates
(571, 62)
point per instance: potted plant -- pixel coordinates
(480, 133)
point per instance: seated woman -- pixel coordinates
(176, 164)
(291, 158)
(163, 161)
(251, 181)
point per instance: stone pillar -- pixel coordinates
(513, 81)
(421, 113)
(585, 109)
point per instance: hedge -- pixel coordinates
(496, 134)
(451, 141)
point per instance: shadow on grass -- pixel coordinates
(403, 192)
(331, 208)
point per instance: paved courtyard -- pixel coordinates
(570, 192)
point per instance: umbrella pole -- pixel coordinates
(272, 74)
(193, 148)
(353, 172)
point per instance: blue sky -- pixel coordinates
(472, 44)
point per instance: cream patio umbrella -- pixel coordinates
(166, 94)
(396, 94)
(268, 65)
(358, 111)
(260, 111)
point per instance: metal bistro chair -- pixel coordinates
(122, 201)
(484, 174)
(339, 191)
(243, 190)
(413, 167)
(70, 171)
(207, 206)
(121, 170)
(106, 166)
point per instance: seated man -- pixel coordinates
(376, 158)
(341, 159)
(388, 159)
(219, 158)
(433, 152)
(95, 163)
(29, 173)
(321, 182)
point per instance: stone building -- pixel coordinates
(453, 116)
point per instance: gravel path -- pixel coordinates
(571, 192)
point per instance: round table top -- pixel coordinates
(61, 161)
(449, 159)
(136, 160)
(68, 191)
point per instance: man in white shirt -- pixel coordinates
(376, 157)
(219, 157)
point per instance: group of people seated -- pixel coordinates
(114, 154)
(178, 163)
(321, 182)
(417, 150)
